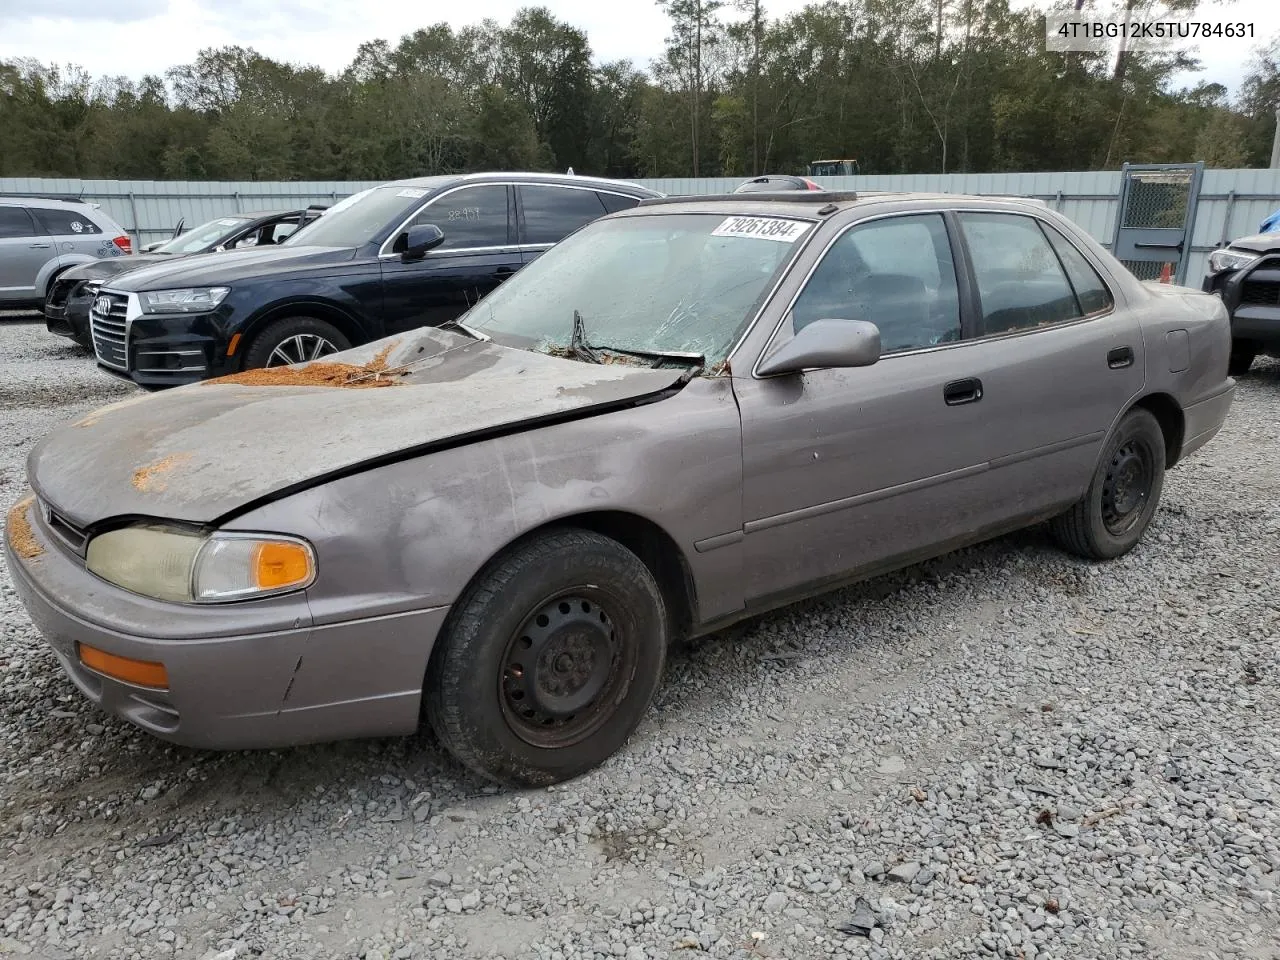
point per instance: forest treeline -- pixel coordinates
(903, 86)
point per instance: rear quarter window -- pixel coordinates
(614, 202)
(66, 223)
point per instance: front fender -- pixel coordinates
(411, 535)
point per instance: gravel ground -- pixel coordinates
(1003, 752)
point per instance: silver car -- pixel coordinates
(680, 416)
(40, 238)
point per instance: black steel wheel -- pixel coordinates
(549, 660)
(1126, 486)
(563, 670)
(1115, 511)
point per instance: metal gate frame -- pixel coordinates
(1164, 238)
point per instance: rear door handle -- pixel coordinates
(41, 246)
(1120, 357)
(957, 392)
(504, 271)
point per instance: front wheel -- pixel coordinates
(294, 340)
(549, 660)
(1123, 495)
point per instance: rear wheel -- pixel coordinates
(1123, 496)
(294, 340)
(549, 660)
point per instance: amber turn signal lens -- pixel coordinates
(141, 673)
(278, 564)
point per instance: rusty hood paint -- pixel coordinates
(200, 452)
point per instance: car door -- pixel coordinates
(477, 254)
(24, 250)
(548, 213)
(1057, 361)
(848, 470)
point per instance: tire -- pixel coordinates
(533, 723)
(1122, 498)
(1242, 358)
(276, 340)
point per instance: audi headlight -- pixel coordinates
(1221, 260)
(186, 300)
(181, 567)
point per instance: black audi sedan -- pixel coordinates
(66, 310)
(392, 258)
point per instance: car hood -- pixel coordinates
(1258, 243)
(225, 268)
(114, 266)
(201, 452)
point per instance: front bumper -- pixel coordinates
(66, 311)
(241, 676)
(156, 350)
(1252, 298)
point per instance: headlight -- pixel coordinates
(167, 564)
(187, 300)
(1221, 260)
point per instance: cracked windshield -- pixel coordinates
(648, 285)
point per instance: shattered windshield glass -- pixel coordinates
(659, 283)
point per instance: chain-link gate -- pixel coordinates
(1155, 219)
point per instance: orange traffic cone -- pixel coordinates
(1166, 273)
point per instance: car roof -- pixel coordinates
(562, 179)
(809, 203)
(69, 202)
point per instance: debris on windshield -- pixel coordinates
(147, 479)
(605, 357)
(24, 541)
(321, 373)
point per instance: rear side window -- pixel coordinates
(614, 202)
(1090, 289)
(1020, 281)
(65, 223)
(14, 222)
(552, 213)
(470, 217)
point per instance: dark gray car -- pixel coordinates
(682, 415)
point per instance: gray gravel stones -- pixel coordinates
(933, 718)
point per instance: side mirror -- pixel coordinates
(418, 240)
(825, 343)
(151, 246)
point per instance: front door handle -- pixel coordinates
(1120, 357)
(957, 392)
(504, 271)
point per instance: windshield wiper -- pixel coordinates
(590, 352)
(578, 346)
(693, 359)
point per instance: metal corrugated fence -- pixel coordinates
(1232, 202)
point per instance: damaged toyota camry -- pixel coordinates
(683, 415)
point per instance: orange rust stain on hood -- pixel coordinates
(320, 374)
(148, 479)
(23, 538)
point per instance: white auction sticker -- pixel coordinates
(412, 193)
(762, 228)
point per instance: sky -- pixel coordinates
(135, 37)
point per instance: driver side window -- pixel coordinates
(897, 273)
(470, 217)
